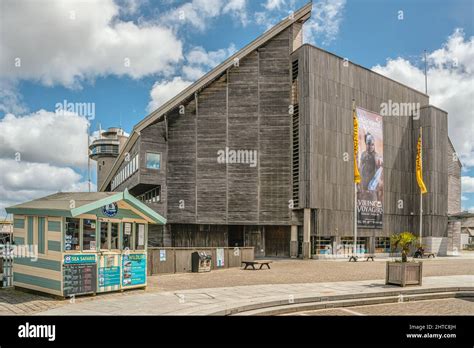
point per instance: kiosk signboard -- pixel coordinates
(109, 276)
(79, 274)
(79, 259)
(134, 269)
(108, 269)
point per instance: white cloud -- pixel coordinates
(198, 62)
(22, 181)
(66, 42)
(450, 86)
(38, 154)
(46, 137)
(321, 28)
(163, 91)
(468, 209)
(325, 21)
(274, 4)
(199, 56)
(129, 7)
(11, 100)
(467, 184)
(193, 73)
(464, 198)
(196, 13)
(238, 10)
(199, 13)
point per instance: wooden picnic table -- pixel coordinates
(257, 262)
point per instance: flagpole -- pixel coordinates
(354, 250)
(88, 157)
(355, 219)
(426, 76)
(421, 193)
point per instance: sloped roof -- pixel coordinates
(62, 200)
(59, 204)
(300, 15)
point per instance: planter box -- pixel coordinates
(404, 273)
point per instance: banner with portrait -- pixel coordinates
(370, 164)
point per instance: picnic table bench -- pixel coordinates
(257, 262)
(429, 254)
(366, 256)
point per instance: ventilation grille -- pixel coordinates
(296, 135)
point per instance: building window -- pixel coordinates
(88, 235)
(30, 230)
(152, 196)
(321, 245)
(139, 236)
(114, 235)
(382, 244)
(41, 234)
(127, 170)
(127, 235)
(104, 235)
(71, 238)
(348, 244)
(153, 160)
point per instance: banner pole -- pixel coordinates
(421, 193)
(355, 219)
(354, 249)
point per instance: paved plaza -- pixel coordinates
(296, 271)
(449, 306)
(227, 291)
(232, 300)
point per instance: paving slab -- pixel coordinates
(219, 301)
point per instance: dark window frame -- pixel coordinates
(146, 159)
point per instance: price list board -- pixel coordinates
(80, 279)
(134, 269)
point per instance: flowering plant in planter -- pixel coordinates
(403, 242)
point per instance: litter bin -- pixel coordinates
(200, 262)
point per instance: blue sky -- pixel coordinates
(368, 32)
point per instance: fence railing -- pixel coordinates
(178, 260)
(6, 267)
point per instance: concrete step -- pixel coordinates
(359, 299)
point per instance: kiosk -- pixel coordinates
(69, 244)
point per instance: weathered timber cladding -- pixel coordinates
(181, 176)
(454, 180)
(275, 130)
(327, 87)
(192, 235)
(211, 137)
(244, 109)
(243, 133)
(152, 139)
(435, 170)
(134, 179)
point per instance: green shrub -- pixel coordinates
(403, 242)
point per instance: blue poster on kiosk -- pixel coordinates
(134, 269)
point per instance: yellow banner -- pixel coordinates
(419, 166)
(356, 146)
